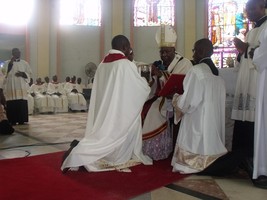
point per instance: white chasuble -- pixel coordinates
(113, 136)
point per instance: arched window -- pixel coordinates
(80, 12)
(227, 19)
(153, 12)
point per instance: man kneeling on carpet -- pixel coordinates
(200, 143)
(113, 136)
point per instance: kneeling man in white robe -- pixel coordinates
(113, 137)
(200, 146)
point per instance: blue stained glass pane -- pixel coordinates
(226, 20)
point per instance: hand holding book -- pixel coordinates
(173, 85)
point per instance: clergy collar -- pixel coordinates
(260, 21)
(206, 58)
(17, 60)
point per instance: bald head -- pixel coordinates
(121, 43)
(203, 48)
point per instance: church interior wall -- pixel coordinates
(71, 48)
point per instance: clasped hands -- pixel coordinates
(20, 74)
(242, 47)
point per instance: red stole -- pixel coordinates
(113, 57)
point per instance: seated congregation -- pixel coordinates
(56, 97)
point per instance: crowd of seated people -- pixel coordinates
(56, 97)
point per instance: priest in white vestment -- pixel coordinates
(260, 135)
(80, 85)
(201, 135)
(113, 136)
(76, 100)
(244, 105)
(18, 73)
(157, 128)
(57, 92)
(43, 102)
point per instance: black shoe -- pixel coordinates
(73, 144)
(260, 182)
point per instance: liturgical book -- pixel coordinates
(173, 85)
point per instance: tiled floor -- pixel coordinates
(52, 133)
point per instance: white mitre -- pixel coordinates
(166, 36)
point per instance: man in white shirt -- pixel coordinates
(113, 136)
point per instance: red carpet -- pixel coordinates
(40, 178)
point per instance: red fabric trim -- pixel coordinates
(156, 132)
(113, 57)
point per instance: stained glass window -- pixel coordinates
(153, 12)
(80, 12)
(227, 19)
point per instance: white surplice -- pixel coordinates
(60, 101)
(76, 100)
(260, 134)
(201, 135)
(42, 102)
(113, 137)
(17, 87)
(245, 95)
